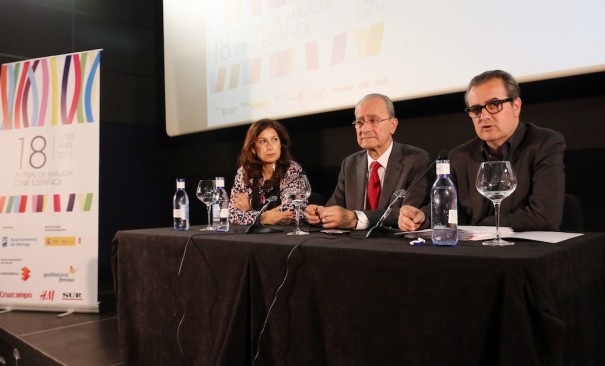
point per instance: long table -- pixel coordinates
(200, 298)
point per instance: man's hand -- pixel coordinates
(410, 218)
(337, 217)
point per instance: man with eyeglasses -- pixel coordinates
(536, 154)
(369, 178)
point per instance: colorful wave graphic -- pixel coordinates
(36, 92)
(70, 202)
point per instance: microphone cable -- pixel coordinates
(190, 239)
(283, 282)
(178, 330)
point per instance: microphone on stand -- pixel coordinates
(256, 227)
(378, 229)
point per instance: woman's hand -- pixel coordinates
(276, 217)
(312, 213)
(241, 201)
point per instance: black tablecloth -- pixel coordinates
(348, 300)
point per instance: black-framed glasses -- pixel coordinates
(372, 122)
(492, 107)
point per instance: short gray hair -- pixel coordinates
(387, 101)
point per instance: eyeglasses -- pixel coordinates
(492, 107)
(372, 122)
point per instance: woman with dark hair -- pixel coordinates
(266, 168)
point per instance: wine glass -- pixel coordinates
(205, 192)
(496, 181)
(298, 192)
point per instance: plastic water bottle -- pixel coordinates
(220, 207)
(444, 207)
(180, 207)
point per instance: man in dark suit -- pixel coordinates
(536, 154)
(399, 164)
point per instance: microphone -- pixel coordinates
(256, 227)
(378, 229)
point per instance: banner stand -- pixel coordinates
(49, 186)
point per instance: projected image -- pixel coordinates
(234, 61)
(282, 55)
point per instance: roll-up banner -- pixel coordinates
(49, 183)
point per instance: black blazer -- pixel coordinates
(537, 160)
(406, 163)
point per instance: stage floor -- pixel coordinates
(41, 338)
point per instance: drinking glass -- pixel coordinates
(496, 181)
(298, 191)
(205, 192)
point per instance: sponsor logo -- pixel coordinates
(10, 260)
(60, 241)
(25, 273)
(47, 295)
(72, 296)
(15, 295)
(9, 273)
(63, 276)
(17, 242)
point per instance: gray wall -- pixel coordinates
(139, 162)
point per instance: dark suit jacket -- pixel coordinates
(406, 163)
(537, 160)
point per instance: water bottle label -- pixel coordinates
(179, 213)
(443, 168)
(216, 214)
(224, 213)
(453, 217)
(180, 184)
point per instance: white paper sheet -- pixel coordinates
(489, 232)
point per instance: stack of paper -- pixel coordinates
(470, 232)
(489, 232)
(481, 232)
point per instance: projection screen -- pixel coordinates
(230, 62)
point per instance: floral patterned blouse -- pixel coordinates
(239, 217)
